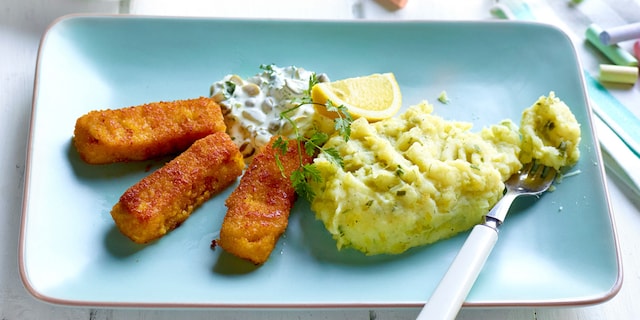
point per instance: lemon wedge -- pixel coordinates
(374, 97)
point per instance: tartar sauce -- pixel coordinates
(252, 107)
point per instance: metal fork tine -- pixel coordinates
(542, 171)
(530, 176)
(537, 170)
(527, 167)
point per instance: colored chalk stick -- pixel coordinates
(620, 33)
(618, 74)
(398, 4)
(616, 54)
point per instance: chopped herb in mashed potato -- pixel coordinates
(414, 179)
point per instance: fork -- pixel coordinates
(445, 302)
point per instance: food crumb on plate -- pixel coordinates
(443, 97)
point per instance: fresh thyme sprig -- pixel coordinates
(313, 143)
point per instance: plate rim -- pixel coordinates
(589, 300)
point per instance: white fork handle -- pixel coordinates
(447, 299)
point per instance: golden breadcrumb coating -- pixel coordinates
(145, 131)
(258, 209)
(164, 199)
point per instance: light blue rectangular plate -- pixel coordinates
(558, 250)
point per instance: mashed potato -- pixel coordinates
(416, 178)
(550, 133)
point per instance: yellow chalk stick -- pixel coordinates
(618, 74)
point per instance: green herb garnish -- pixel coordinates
(267, 67)
(313, 143)
(229, 89)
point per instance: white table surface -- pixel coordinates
(23, 22)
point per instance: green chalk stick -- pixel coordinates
(616, 54)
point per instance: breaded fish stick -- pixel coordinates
(258, 209)
(164, 199)
(145, 131)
